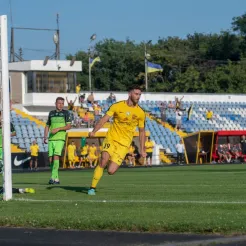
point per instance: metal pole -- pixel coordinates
(146, 68)
(7, 174)
(58, 34)
(89, 72)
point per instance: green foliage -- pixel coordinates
(213, 63)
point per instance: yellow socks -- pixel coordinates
(97, 176)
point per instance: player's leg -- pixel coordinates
(30, 164)
(51, 161)
(150, 159)
(99, 172)
(57, 153)
(36, 163)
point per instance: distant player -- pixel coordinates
(149, 146)
(34, 148)
(127, 115)
(71, 152)
(83, 155)
(59, 121)
(92, 156)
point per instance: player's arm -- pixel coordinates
(47, 128)
(99, 125)
(111, 111)
(142, 138)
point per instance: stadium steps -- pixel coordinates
(31, 118)
(180, 132)
(16, 149)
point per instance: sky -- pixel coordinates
(138, 20)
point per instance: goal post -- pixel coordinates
(5, 102)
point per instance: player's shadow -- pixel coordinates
(70, 188)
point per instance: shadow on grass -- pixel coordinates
(70, 188)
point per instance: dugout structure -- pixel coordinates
(199, 147)
(81, 135)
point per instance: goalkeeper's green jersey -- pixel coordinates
(58, 119)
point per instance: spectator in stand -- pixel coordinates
(221, 153)
(97, 111)
(170, 105)
(178, 119)
(235, 150)
(180, 152)
(34, 148)
(209, 115)
(86, 119)
(90, 98)
(112, 98)
(82, 99)
(70, 104)
(163, 108)
(178, 103)
(78, 89)
(227, 153)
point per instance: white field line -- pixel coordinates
(131, 201)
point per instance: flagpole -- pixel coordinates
(146, 68)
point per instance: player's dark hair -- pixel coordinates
(60, 99)
(134, 87)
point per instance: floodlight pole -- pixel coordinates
(7, 169)
(146, 67)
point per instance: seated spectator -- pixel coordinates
(235, 150)
(90, 98)
(86, 119)
(97, 111)
(227, 153)
(221, 153)
(111, 98)
(209, 115)
(131, 155)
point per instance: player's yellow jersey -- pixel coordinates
(126, 119)
(34, 150)
(92, 150)
(149, 146)
(84, 150)
(71, 149)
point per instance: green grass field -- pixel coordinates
(201, 199)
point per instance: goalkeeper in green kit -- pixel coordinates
(59, 121)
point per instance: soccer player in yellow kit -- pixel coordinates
(92, 157)
(149, 145)
(84, 154)
(71, 149)
(127, 115)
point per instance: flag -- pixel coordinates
(93, 61)
(190, 111)
(152, 67)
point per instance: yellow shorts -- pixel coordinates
(116, 151)
(71, 157)
(92, 157)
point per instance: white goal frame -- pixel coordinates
(5, 102)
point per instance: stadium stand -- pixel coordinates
(27, 129)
